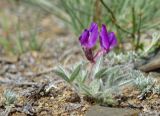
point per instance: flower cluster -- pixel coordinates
(88, 40)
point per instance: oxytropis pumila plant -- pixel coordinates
(98, 81)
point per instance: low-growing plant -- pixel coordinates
(32, 40)
(8, 100)
(102, 80)
(4, 37)
(18, 44)
(19, 40)
(99, 81)
(142, 82)
(34, 43)
(10, 97)
(156, 89)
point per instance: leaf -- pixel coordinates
(75, 73)
(110, 80)
(85, 75)
(85, 89)
(100, 73)
(95, 86)
(61, 72)
(97, 66)
(125, 82)
(120, 78)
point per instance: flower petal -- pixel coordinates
(93, 35)
(84, 37)
(112, 40)
(104, 38)
(93, 26)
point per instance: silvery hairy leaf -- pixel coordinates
(94, 86)
(97, 66)
(84, 75)
(85, 89)
(62, 73)
(75, 73)
(81, 71)
(100, 73)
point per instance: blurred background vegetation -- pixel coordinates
(129, 19)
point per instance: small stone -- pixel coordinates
(108, 111)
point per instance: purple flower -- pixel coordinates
(88, 40)
(89, 36)
(107, 39)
